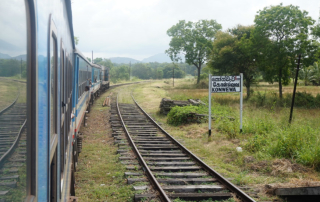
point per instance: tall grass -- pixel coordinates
(268, 131)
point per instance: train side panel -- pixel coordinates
(54, 44)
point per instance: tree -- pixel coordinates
(159, 74)
(314, 74)
(104, 62)
(142, 71)
(97, 60)
(168, 71)
(119, 73)
(76, 40)
(194, 40)
(285, 30)
(234, 53)
(304, 74)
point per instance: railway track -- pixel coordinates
(172, 170)
(12, 151)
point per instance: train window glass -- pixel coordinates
(53, 109)
(63, 107)
(13, 99)
(53, 87)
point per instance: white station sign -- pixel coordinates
(225, 84)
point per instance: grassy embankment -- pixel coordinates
(273, 150)
(8, 92)
(100, 175)
(262, 161)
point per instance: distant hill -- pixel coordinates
(19, 57)
(160, 57)
(4, 56)
(123, 60)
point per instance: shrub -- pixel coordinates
(256, 143)
(271, 100)
(179, 115)
(231, 128)
(298, 142)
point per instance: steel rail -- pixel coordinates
(5, 155)
(151, 177)
(10, 105)
(243, 196)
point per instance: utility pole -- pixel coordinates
(92, 57)
(294, 89)
(21, 69)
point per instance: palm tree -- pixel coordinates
(304, 74)
(314, 76)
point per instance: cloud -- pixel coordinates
(138, 28)
(13, 28)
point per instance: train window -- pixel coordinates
(53, 87)
(15, 179)
(63, 108)
(53, 110)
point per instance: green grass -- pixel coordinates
(8, 92)
(100, 175)
(266, 137)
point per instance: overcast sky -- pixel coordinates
(137, 28)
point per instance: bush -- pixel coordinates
(307, 100)
(256, 143)
(271, 99)
(299, 142)
(179, 115)
(230, 127)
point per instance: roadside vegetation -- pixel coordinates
(8, 92)
(100, 175)
(273, 151)
(269, 150)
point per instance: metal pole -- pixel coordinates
(241, 100)
(294, 89)
(210, 86)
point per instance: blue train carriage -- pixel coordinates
(37, 158)
(105, 78)
(96, 82)
(82, 93)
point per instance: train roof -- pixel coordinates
(78, 52)
(69, 12)
(104, 67)
(96, 65)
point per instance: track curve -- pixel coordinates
(171, 168)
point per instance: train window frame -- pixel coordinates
(32, 99)
(53, 40)
(54, 137)
(62, 109)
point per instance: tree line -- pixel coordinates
(152, 70)
(266, 49)
(13, 67)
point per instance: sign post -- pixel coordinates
(210, 85)
(225, 84)
(241, 101)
